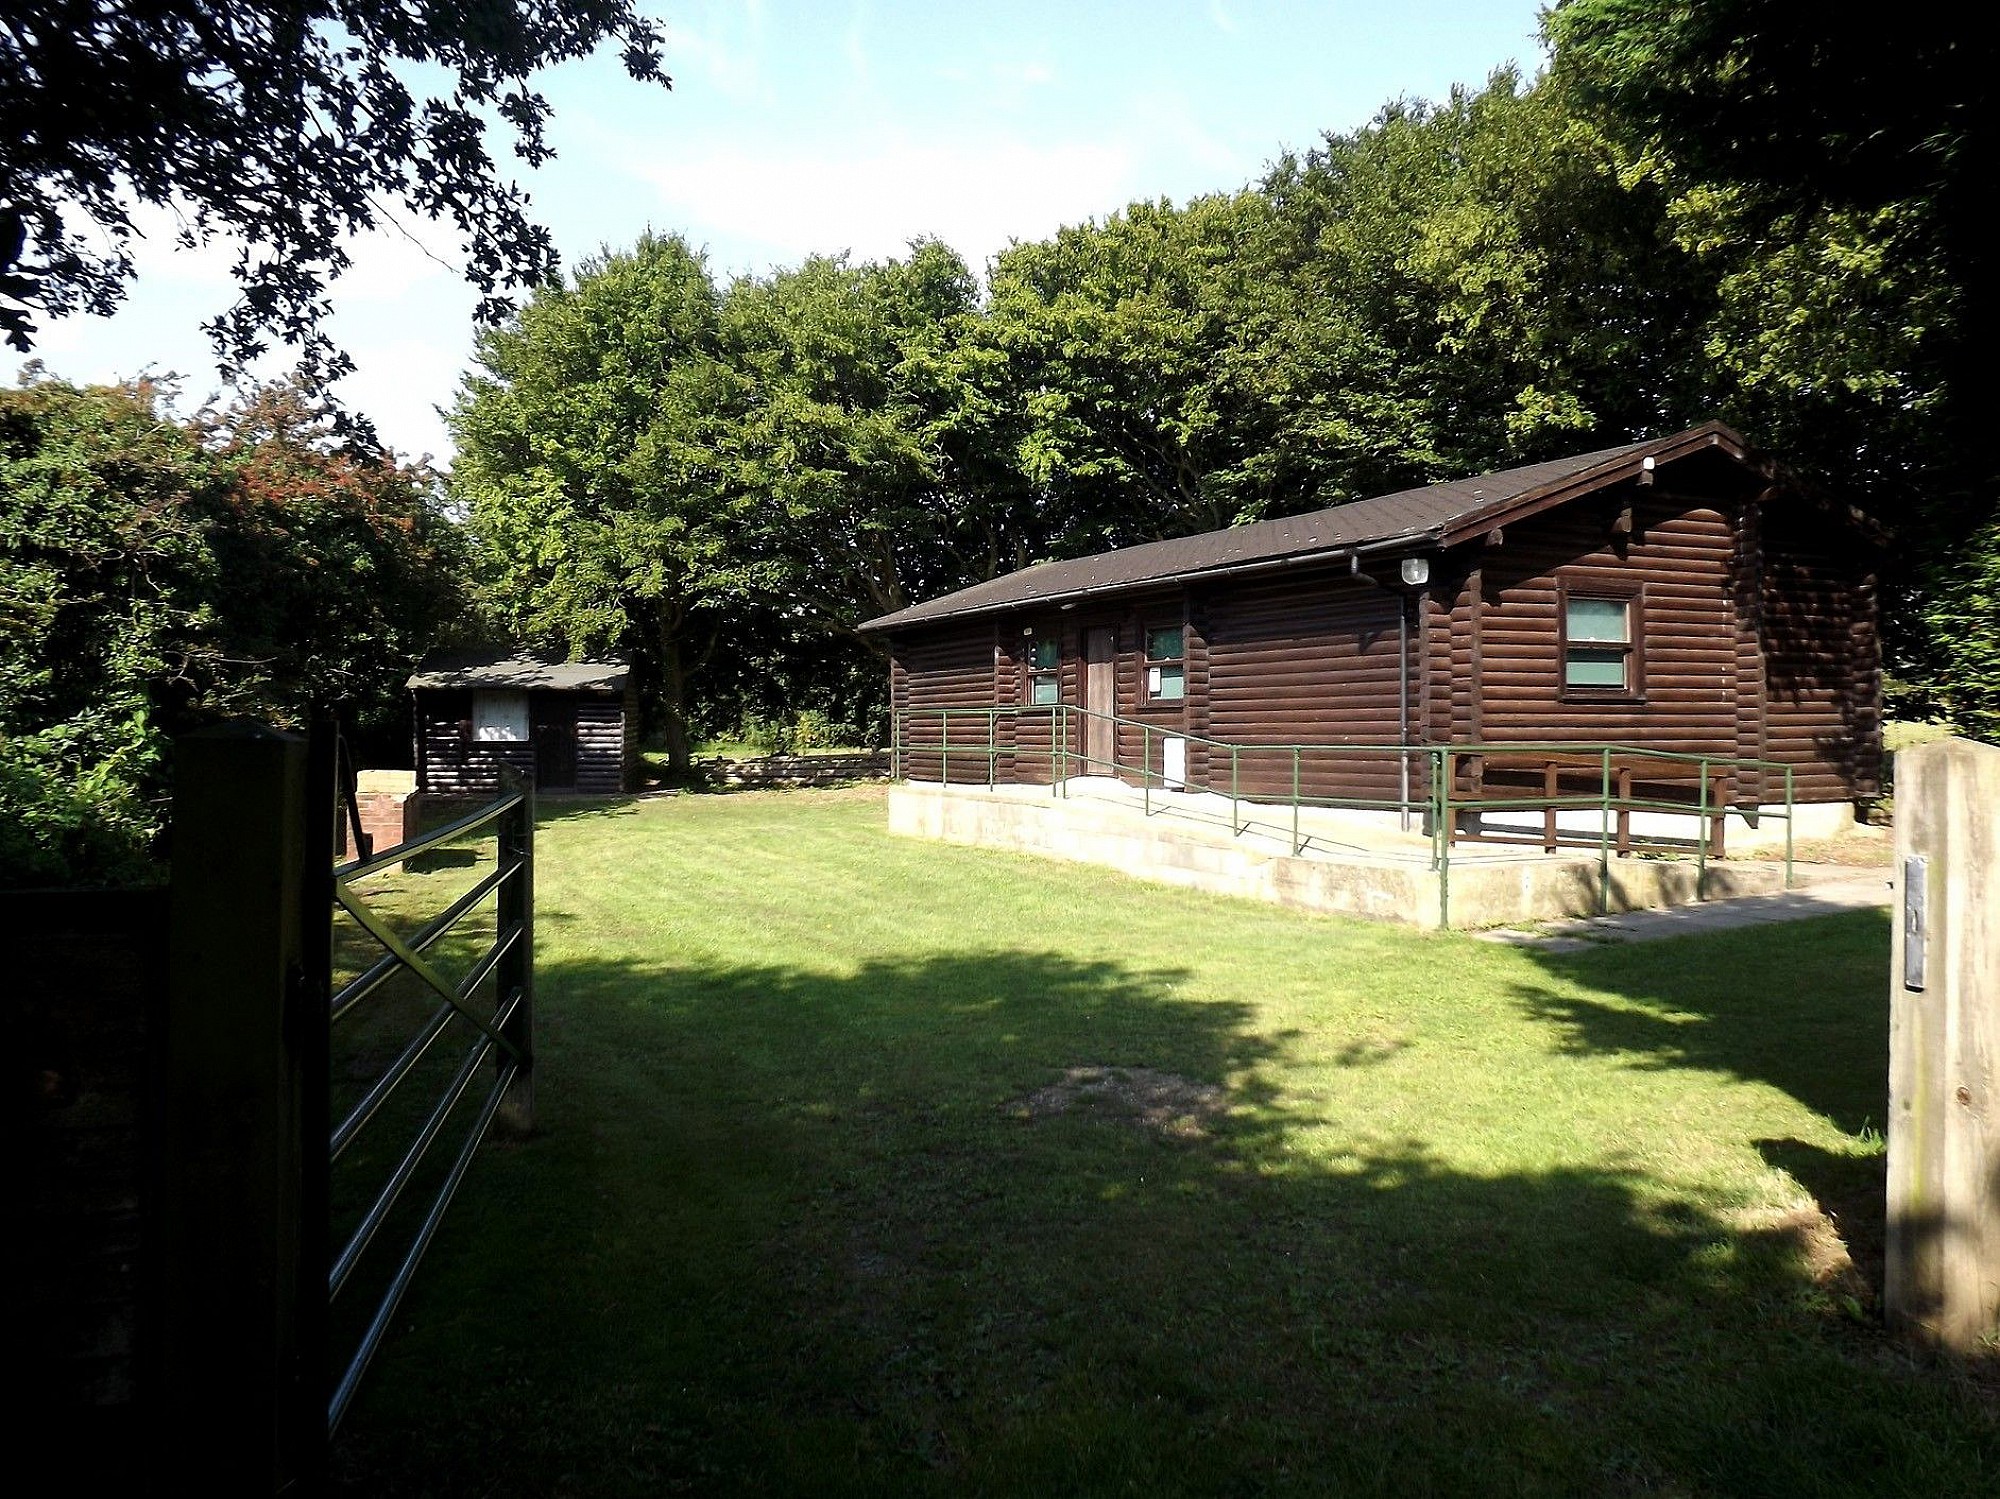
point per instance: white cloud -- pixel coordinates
(727, 54)
(399, 383)
(392, 263)
(1024, 74)
(872, 198)
(854, 48)
(1219, 13)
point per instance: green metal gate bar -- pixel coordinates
(504, 1036)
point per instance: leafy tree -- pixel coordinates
(1833, 172)
(340, 564)
(586, 471)
(856, 436)
(156, 575)
(1126, 340)
(102, 594)
(788, 675)
(1449, 288)
(289, 126)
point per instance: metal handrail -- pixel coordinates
(1581, 750)
(1582, 753)
(1438, 804)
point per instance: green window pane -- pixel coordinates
(1043, 691)
(1167, 681)
(1164, 645)
(1600, 619)
(1047, 655)
(1594, 666)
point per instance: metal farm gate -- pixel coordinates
(248, 1357)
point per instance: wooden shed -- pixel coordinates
(573, 725)
(1680, 593)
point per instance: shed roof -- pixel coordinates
(520, 670)
(1431, 516)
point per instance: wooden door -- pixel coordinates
(554, 717)
(1100, 697)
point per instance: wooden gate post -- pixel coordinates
(1943, 1261)
(236, 1286)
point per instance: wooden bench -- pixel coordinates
(1644, 779)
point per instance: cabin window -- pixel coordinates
(1599, 641)
(1166, 664)
(500, 716)
(1045, 671)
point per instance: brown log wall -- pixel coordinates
(951, 667)
(600, 745)
(1306, 658)
(1756, 640)
(1822, 672)
(450, 764)
(1679, 553)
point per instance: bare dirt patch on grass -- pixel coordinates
(1162, 1103)
(1815, 1235)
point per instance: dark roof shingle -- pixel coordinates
(1421, 515)
(517, 670)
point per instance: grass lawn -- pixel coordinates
(817, 1204)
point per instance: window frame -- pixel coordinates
(512, 698)
(1633, 597)
(1032, 674)
(1148, 661)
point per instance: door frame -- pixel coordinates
(563, 717)
(1100, 738)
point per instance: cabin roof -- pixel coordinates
(519, 670)
(1421, 519)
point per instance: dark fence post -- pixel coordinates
(515, 902)
(237, 1291)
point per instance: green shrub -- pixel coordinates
(814, 730)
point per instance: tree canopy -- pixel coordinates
(598, 514)
(1829, 173)
(1624, 246)
(289, 127)
(1764, 213)
(158, 574)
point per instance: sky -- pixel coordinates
(793, 129)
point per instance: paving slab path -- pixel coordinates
(1829, 890)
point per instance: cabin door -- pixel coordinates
(1100, 699)
(555, 741)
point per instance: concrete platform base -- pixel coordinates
(1186, 839)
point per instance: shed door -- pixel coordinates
(555, 740)
(1100, 698)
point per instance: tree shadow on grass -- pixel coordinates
(1802, 1006)
(791, 1231)
(555, 809)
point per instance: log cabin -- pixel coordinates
(572, 725)
(1681, 593)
